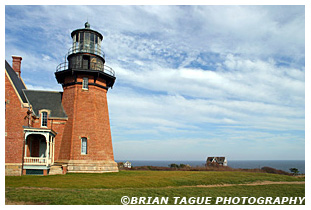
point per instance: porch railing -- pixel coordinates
(35, 161)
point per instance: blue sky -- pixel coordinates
(192, 81)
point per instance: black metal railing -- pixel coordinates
(93, 66)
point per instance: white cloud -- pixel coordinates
(130, 111)
(242, 80)
(38, 87)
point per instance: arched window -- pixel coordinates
(44, 119)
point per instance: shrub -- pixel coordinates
(273, 170)
(294, 171)
(173, 165)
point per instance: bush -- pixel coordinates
(173, 165)
(274, 171)
(294, 171)
(183, 167)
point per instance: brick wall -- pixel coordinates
(65, 142)
(88, 117)
(14, 122)
(58, 126)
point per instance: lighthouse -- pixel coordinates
(86, 144)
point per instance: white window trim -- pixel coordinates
(42, 113)
(82, 148)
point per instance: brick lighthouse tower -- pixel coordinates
(86, 144)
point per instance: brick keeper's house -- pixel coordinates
(50, 132)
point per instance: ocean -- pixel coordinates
(284, 165)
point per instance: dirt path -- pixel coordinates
(8, 202)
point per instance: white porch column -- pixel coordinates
(53, 149)
(47, 149)
(26, 145)
(50, 154)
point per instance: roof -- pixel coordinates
(17, 82)
(87, 29)
(210, 159)
(50, 100)
(217, 159)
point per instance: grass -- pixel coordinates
(108, 188)
(143, 179)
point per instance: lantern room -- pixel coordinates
(85, 55)
(87, 40)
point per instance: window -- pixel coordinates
(92, 45)
(86, 62)
(87, 37)
(85, 83)
(87, 41)
(83, 145)
(81, 37)
(44, 119)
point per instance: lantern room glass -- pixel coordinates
(86, 41)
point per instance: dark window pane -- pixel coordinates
(81, 37)
(44, 119)
(92, 37)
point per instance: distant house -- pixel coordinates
(127, 164)
(216, 161)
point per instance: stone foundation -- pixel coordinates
(56, 170)
(86, 166)
(13, 169)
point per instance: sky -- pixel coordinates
(192, 81)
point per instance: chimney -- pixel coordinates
(16, 64)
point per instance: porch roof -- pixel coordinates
(39, 130)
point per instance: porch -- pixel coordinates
(39, 149)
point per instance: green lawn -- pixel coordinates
(108, 188)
